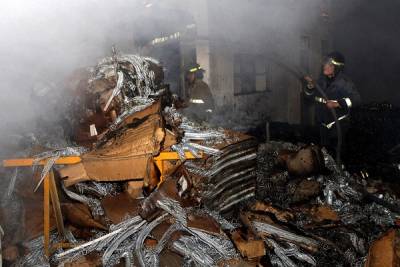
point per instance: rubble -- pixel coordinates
(250, 248)
(224, 200)
(79, 216)
(384, 251)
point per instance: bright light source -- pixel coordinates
(149, 5)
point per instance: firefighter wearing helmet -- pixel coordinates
(341, 96)
(198, 94)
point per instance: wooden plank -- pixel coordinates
(46, 215)
(174, 156)
(55, 203)
(25, 162)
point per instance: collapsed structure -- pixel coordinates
(153, 188)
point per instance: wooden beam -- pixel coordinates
(55, 203)
(25, 162)
(46, 215)
(163, 156)
(174, 156)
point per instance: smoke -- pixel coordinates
(44, 41)
(368, 33)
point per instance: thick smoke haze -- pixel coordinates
(44, 41)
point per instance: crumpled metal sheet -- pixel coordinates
(35, 256)
(283, 234)
(358, 243)
(284, 254)
(142, 79)
(340, 193)
(203, 135)
(276, 261)
(204, 249)
(230, 176)
(103, 241)
(220, 245)
(93, 203)
(223, 222)
(135, 82)
(196, 251)
(121, 237)
(174, 208)
(205, 149)
(223, 245)
(154, 253)
(136, 104)
(147, 260)
(116, 90)
(97, 188)
(178, 148)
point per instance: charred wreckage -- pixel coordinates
(149, 187)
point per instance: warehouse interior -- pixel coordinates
(200, 133)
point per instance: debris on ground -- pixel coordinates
(224, 200)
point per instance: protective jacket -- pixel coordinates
(200, 100)
(339, 88)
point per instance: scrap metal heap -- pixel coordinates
(224, 201)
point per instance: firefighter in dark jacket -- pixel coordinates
(198, 95)
(341, 96)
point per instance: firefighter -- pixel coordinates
(198, 95)
(341, 95)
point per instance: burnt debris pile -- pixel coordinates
(153, 188)
(374, 141)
